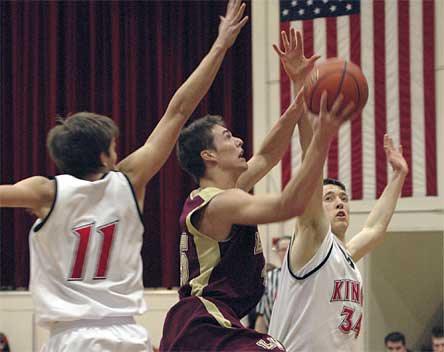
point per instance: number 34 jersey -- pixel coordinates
(319, 307)
(85, 255)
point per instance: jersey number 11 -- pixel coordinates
(84, 233)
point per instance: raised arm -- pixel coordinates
(238, 207)
(298, 67)
(273, 147)
(145, 162)
(374, 231)
(277, 140)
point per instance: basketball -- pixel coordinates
(336, 76)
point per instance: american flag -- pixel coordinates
(393, 42)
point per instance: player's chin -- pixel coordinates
(243, 164)
(340, 225)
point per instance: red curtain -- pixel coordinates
(122, 59)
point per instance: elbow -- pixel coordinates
(178, 109)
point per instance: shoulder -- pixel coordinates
(39, 184)
(219, 197)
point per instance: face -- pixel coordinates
(438, 344)
(397, 346)
(336, 207)
(281, 248)
(228, 149)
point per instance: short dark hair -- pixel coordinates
(332, 181)
(395, 337)
(194, 138)
(76, 143)
(437, 332)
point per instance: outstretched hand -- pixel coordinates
(394, 156)
(231, 24)
(329, 121)
(296, 65)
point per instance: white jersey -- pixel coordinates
(85, 255)
(319, 307)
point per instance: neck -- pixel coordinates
(218, 178)
(341, 236)
(95, 176)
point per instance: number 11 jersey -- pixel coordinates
(85, 255)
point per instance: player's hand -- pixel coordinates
(231, 24)
(296, 65)
(328, 122)
(394, 156)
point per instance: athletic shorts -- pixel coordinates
(120, 334)
(198, 324)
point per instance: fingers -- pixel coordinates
(285, 41)
(388, 142)
(239, 13)
(242, 23)
(337, 104)
(348, 112)
(299, 43)
(323, 107)
(230, 7)
(278, 50)
(313, 59)
(293, 41)
(233, 8)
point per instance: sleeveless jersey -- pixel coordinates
(85, 255)
(229, 271)
(319, 308)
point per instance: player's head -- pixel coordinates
(395, 341)
(438, 339)
(335, 200)
(83, 144)
(206, 143)
(281, 245)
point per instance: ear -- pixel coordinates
(208, 155)
(104, 159)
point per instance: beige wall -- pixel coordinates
(16, 318)
(405, 288)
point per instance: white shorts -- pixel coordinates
(104, 335)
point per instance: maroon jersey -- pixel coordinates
(229, 271)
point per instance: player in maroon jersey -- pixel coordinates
(221, 254)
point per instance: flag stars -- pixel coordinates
(317, 10)
(348, 7)
(333, 8)
(301, 11)
(294, 3)
(324, 1)
(285, 12)
(309, 2)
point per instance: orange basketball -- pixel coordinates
(336, 76)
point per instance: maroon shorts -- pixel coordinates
(191, 325)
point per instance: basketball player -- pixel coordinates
(221, 254)
(86, 269)
(319, 305)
